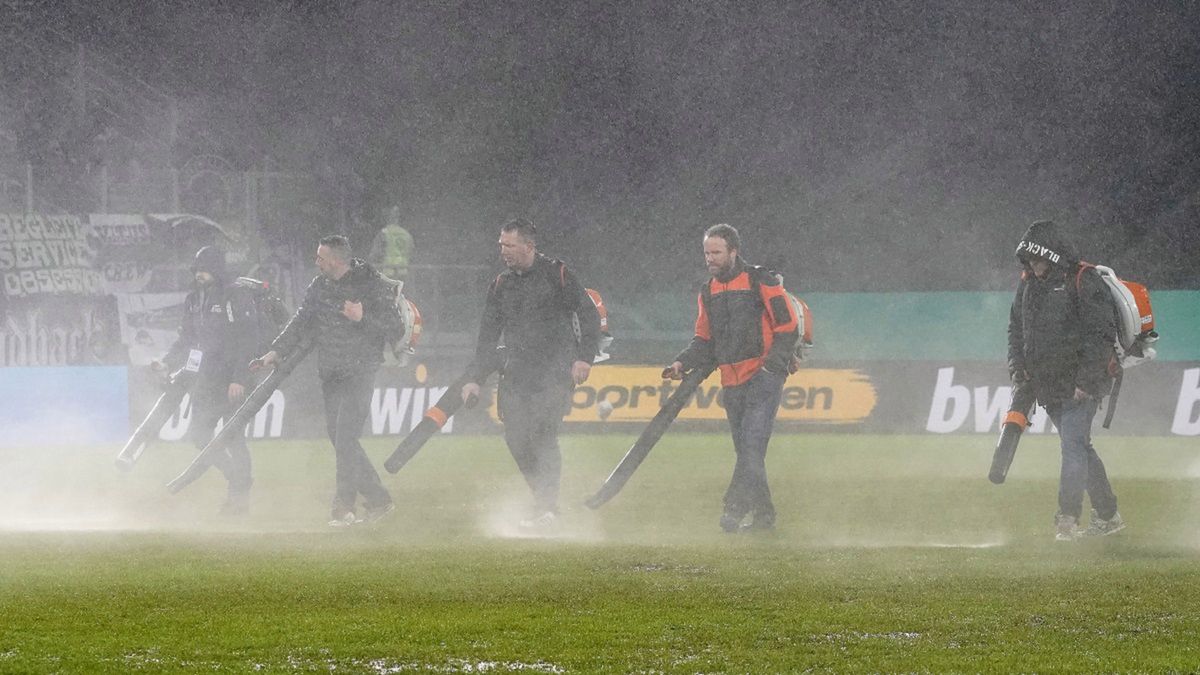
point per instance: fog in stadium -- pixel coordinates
(884, 159)
(859, 149)
(881, 159)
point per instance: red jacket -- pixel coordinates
(745, 323)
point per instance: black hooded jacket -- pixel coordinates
(220, 321)
(345, 346)
(1061, 329)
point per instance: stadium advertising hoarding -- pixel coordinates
(63, 406)
(296, 409)
(915, 397)
(46, 256)
(883, 376)
(1156, 399)
(818, 395)
(54, 307)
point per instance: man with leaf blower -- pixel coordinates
(1061, 334)
(217, 338)
(748, 328)
(550, 330)
(349, 312)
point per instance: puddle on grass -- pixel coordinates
(868, 542)
(390, 667)
(151, 660)
(855, 636)
(664, 567)
(1193, 470)
(504, 520)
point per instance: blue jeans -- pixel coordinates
(751, 409)
(1081, 466)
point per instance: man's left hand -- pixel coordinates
(580, 371)
(236, 392)
(352, 311)
(1081, 395)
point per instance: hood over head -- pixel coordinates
(212, 260)
(1044, 240)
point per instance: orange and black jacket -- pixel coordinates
(745, 324)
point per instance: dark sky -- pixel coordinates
(858, 146)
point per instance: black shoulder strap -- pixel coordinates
(1084, 267)
(561, 268)
(240, 295)
(755, 273)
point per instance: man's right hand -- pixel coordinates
(268, 360)
(160, 371)
(470, 390)
(673, 371)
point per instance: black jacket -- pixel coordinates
(345, 346)
(532, 312)
(220, 321)
(1061, 329)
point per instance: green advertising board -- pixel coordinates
(961, 325)
(937, 326)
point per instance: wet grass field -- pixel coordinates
(892, 553)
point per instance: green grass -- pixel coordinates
(892, 554)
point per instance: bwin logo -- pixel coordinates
(953, 404)
(1038, 250)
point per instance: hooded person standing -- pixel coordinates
(217, 339)
(350, 313)
(1061, 333)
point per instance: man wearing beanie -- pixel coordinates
(218, 337)
(1061, 334)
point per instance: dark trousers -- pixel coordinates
(751, 409)
(210, 402)
(347, 404)
(531, 421)
(1081, 466)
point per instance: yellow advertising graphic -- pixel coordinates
(636, 393)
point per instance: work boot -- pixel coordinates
(762, 520)
(1066, 528)
(235, 505)
(731, 522)
(542, 522)
(1099, 527)
(344, 519)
